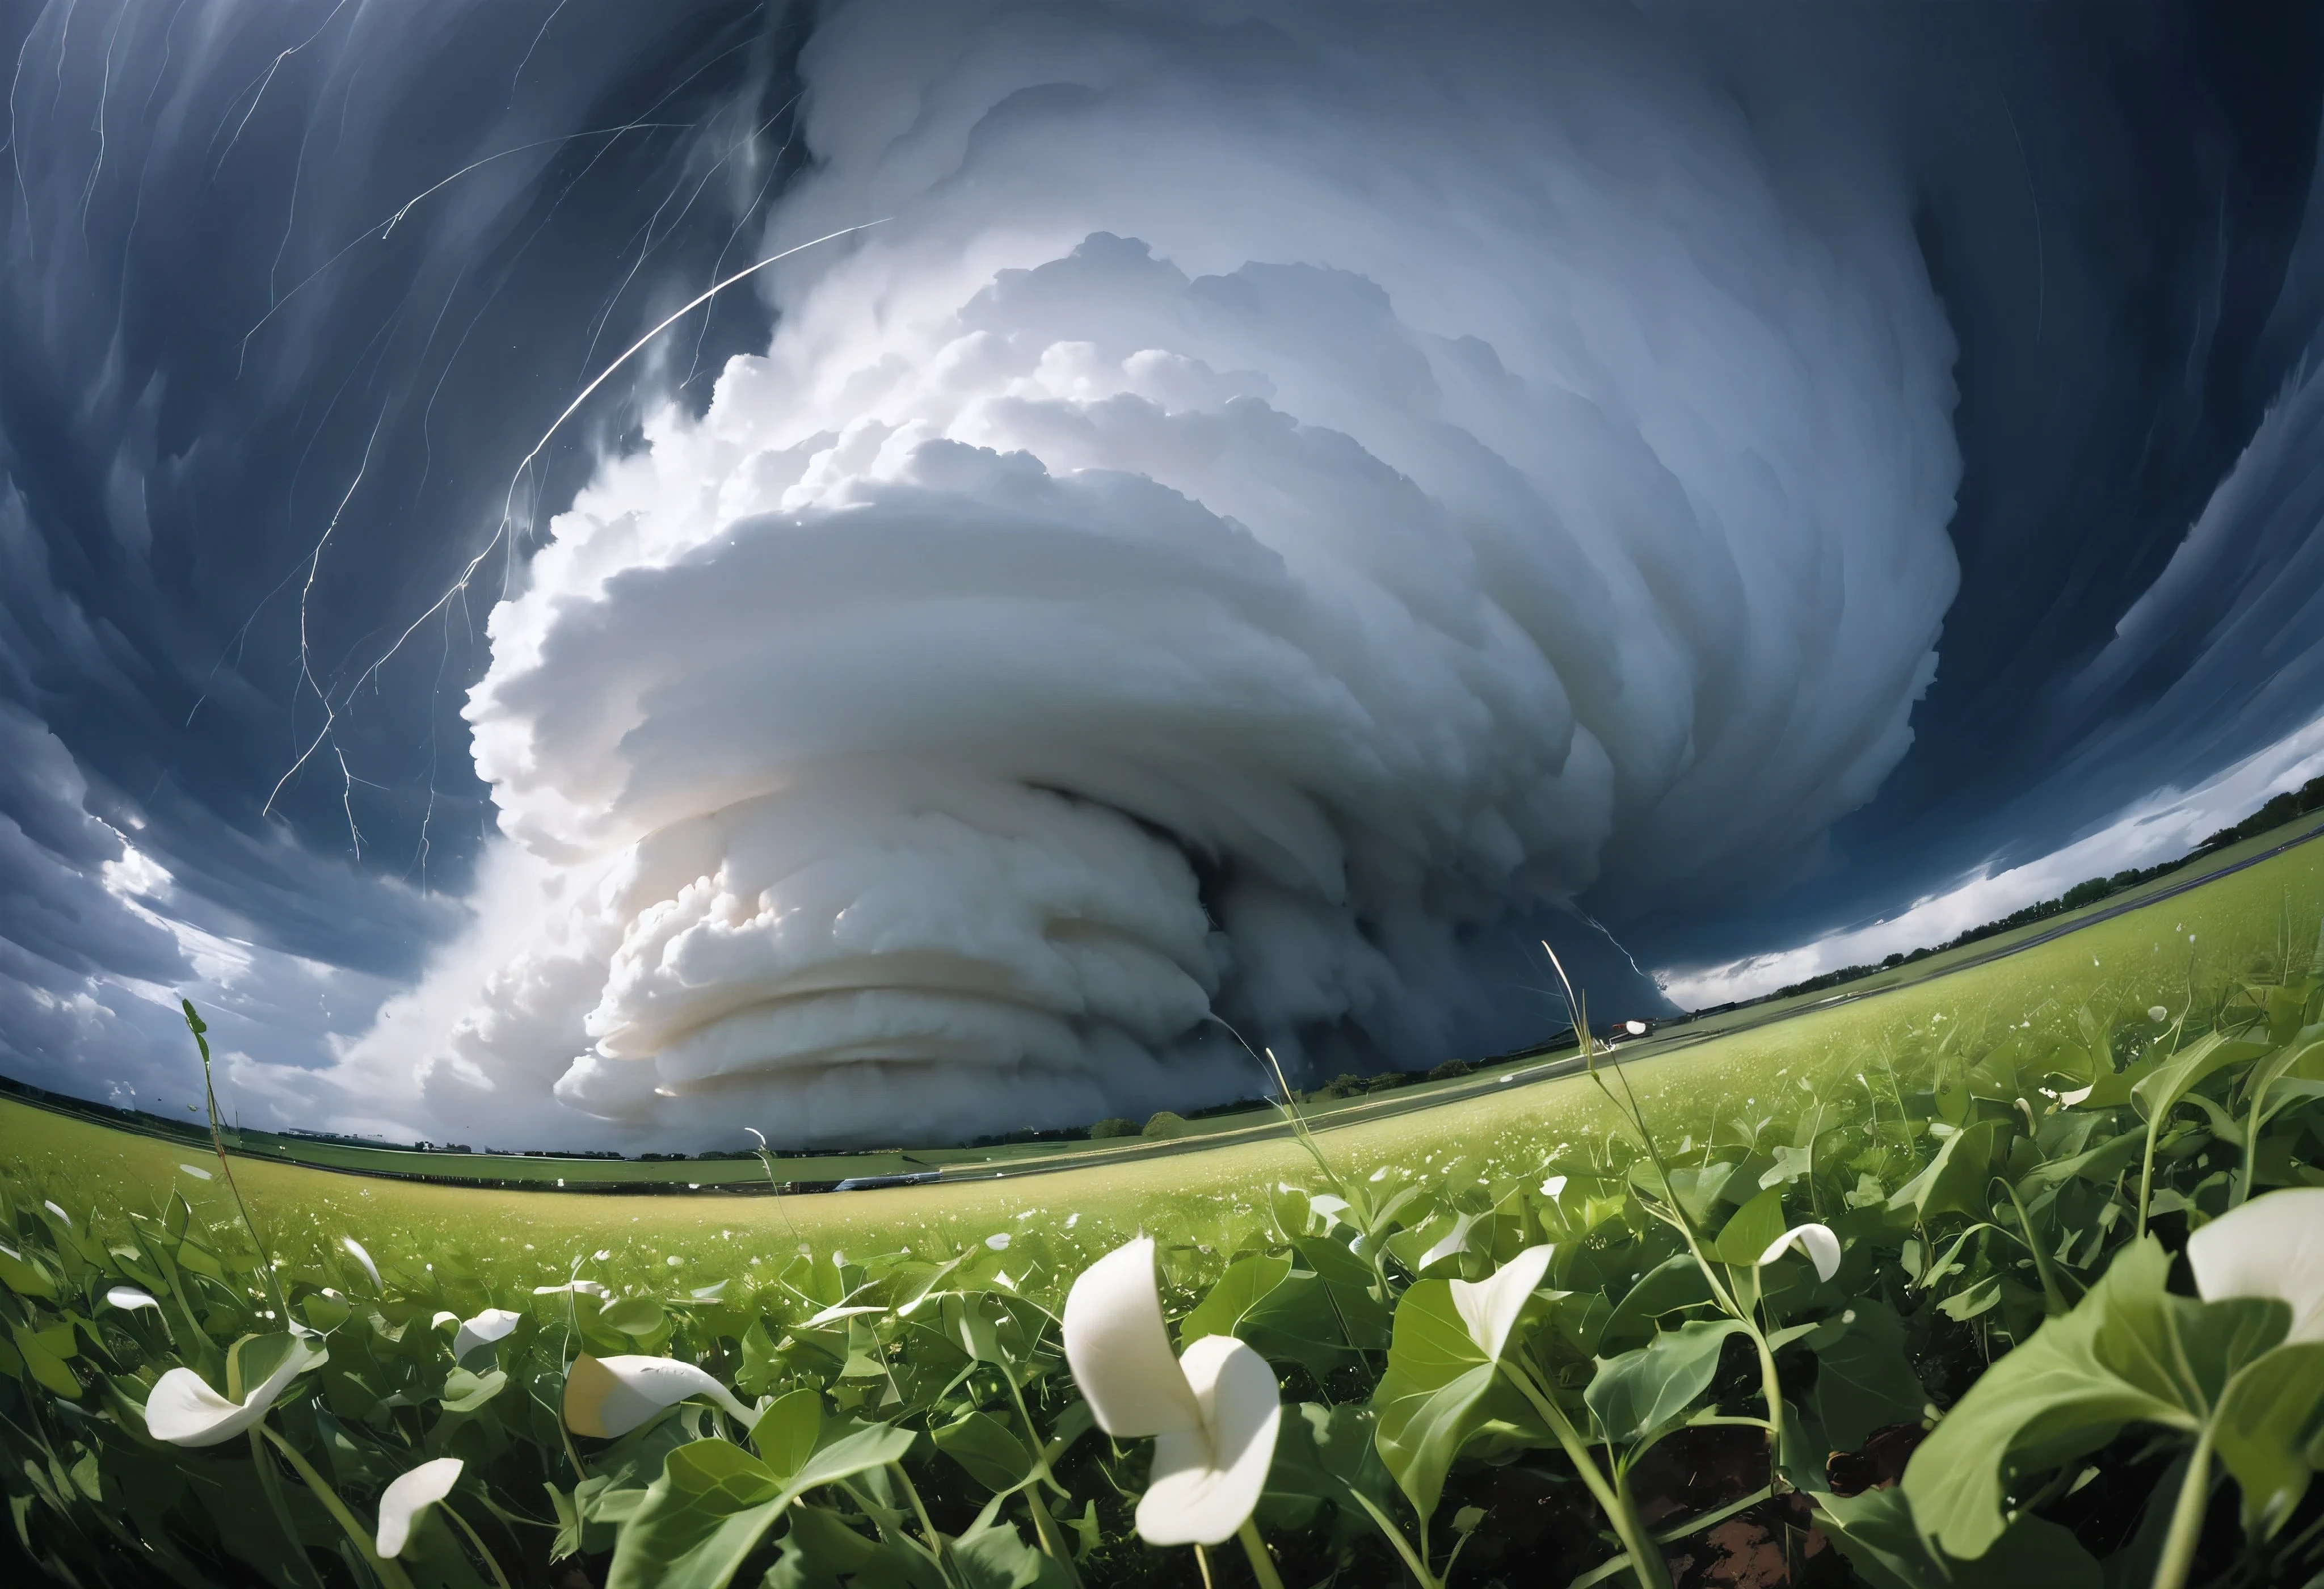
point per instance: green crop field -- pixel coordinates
(1864, 1278)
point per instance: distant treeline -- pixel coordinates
(2287, 807)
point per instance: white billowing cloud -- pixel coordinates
(1276, 498)
(2160, 828)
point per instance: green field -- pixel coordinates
(2120, 954)
(1786, 1274)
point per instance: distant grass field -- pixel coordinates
(1685, 1079)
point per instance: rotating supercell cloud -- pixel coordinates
(1179, 521)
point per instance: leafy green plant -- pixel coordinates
(1968, 1230)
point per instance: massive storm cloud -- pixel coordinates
(1247, 517)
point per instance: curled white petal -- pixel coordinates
(443, 1318)
(588, 1287)
(2158, 1015)
(355, 1251)
(1555, 1187)
(2271, 1246)
(129, 1297)
(1816, 1240)
(1327, 1207)
(196, 1170)
(1490, 1307)
(183, 1410)
(493, 1323)
(408, 1495)
(1207, 1479)
(1120, 1351)
(607, 1396)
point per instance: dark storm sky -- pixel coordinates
(254, 426)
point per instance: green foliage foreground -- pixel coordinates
(1992, 1366)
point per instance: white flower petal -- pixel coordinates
(1328, 1207)
(129, 1297)
(1207, 1479)
(491, 1325)
(1555, 1187)
(607, 1396)
(443, 1318)
(2158, 1015)
(1120, 1352)
(408, 1495)
(196, 1170)
(2271, 1246)
(1816, 1240)
(185, 1411)
(355, 1251)
(1490, 1307)
(591, 1287)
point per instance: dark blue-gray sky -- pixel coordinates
(272, 343)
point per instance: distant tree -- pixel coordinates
(1449, 1069)
(1114, 1126)
(1162, 1125)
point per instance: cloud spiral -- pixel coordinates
(1283, 499)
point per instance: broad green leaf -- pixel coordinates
(763, 1367)
(1756, 1225)
(1322, 1455)
(2098, 1164)
(252, 1359)
(2263, 1429)
(25, 1275)
(821, 1552)
(1877, 1532)
(48, 1370)
(2193, 1065)
(1639, 1392)
(1697, 1192)
(634, 1316)
(1347, 1280)
(1955, 1181)
(1245, 1284)
(699, 1521)
(465, 1392)
(1675, 1283)
(714, 1502)
(1439, 1392)
(2129, 1352)
(988, 1448)
(996, 1556)
(1864, 1379)
(786, 1433)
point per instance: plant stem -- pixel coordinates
(1397, 1542)
(271, 1482)
(476, 1540)
(1613, 1499)
(1772, 1387)
(1261, 1563)
(936, 1551)
(194, 1024)
(1044, 1525)
(2187, 1518)
(390, 1572)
